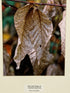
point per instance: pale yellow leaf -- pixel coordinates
(6, 37)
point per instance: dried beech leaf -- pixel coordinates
(62, 26)
(63, 1)
(54, 69)
(6, 62)
(34, 30)
(51, 11)
(45, 60)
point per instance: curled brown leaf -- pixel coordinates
(34, 31)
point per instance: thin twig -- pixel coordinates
(6, 5)
(56, 5)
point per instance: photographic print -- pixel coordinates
(34, 37)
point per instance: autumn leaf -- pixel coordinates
(6, 37)
(31, 1)
(54, 69)
(62, 26)
(34, 31)
(8, 48)
(52, 11)
(36, 1)
(3, 7)
(6, 62)
(46, 59)
(63, 1)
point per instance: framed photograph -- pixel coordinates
(34, 41)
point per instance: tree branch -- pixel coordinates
(6, 5)
(56, 5)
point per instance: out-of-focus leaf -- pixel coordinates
(36, 1)
(8, 20)
(6, 37)
(6, 62)
(32, 1)
(6, 11)
(10, 2)
(6, 28)
(8, 48)
(34, 30)
(3, 7)
(62, 26)
(17, 5)
(53, 70)
(63, 1)
(51, 11)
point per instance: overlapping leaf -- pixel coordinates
(34, 30)
(52, 11)
(62, 26)
(46, 59)
(54, 70)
